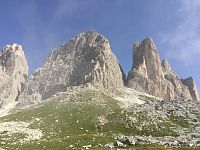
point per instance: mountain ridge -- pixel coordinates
(150, 75)
(81, 99)
(87, 59)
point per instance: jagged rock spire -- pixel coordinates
(146, 59)
(85, 59)
(13, 73)
(150, 75)
(189, 82)
(166, 67)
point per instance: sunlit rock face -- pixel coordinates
(150, 75)
(13, 73)
(85, 59)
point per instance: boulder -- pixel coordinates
(130, 140)
(109, 145)
(119, 144)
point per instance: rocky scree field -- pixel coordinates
(87, 118)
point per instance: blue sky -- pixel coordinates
(41, 25)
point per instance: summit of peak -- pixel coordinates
(149, 42)
(150, 75)
(13, 47)
(150, 39)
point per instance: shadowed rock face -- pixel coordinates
(157, 78)
(13, 73)
(166, 67)
(87, 58)
(189, 82)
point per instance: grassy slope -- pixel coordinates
(73, 120)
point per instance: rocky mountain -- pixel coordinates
(85, 60)
(150, 75)
(86, 102)
(88, 118)
(13, 74)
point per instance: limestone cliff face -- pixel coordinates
(166, 67)
(157, 78)
(13, 73)
(85, 59)
(146, 60)
(189, 82)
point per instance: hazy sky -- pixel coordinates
(41, 25)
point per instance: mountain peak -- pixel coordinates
(166, 67)
(149, 42)
(190, 83)
(85, 60)
(13, 47)
(13, 73)
(157, 78)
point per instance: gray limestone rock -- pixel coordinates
(119, 144)
(13, 73)
(109, 145)
(166, 67)
(130, 140)
(157, 78)
(85, 59)
(189, 82)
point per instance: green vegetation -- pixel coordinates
(74, 119)
(180, 121)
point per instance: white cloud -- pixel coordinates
(185, 38)
(67, 8)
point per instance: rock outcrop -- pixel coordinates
(189, 82)
(157, 78)
(166, 67)
(85, 59)
(13, 73)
